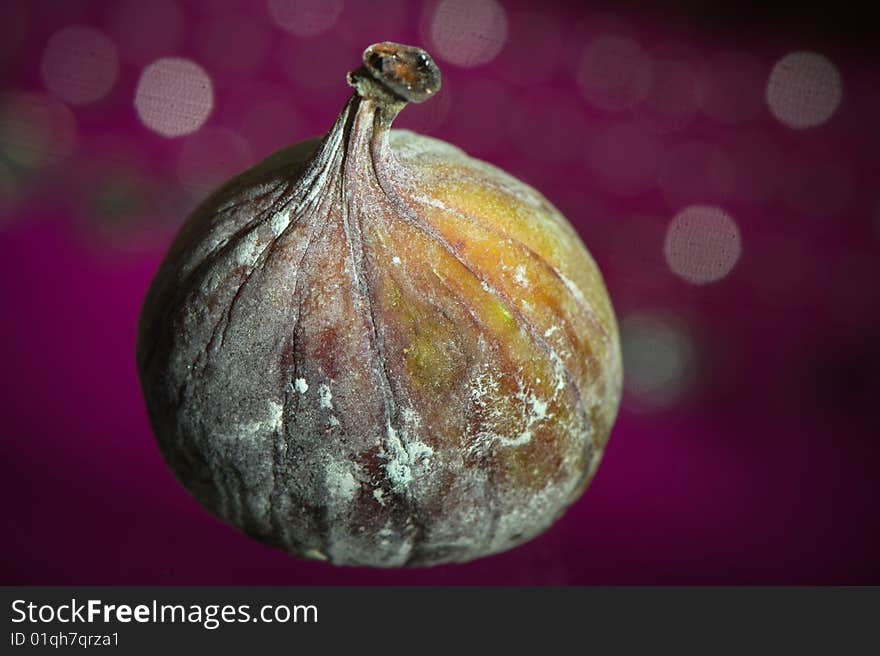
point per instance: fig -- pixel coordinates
(375, 350)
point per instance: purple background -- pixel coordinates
(746, 450)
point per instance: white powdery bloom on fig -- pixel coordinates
(325, 396)
(376, 350)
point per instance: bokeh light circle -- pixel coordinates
(671, 99)
(702, 244)
(174, 96)
(614, 72)
(210, 157)
(804, 89)
(36, 130)
(659, 359)
(79, 65)
(231, 42)
(468, 33)
(305, 17)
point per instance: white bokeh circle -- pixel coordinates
(702, 244)
(210, 157)
(174, 96)
(804, 89)
(468, 33)
(36, 130)
(659, 357)
(614, 72)
(79, 65)
(671, 99)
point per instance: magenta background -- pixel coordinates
(764, 472)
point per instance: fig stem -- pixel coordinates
(393, 73)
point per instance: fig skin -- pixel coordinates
(376, 350)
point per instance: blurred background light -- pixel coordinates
(79, 65)
(231, 42)
(36, 131)
(305, 17)
(467, 33)
(210, 157)
(804, 89)
(659, 358)
(614, 73)
(672, 97)
(174, 96)
(114, 212)
(702, 244)
(121, 204)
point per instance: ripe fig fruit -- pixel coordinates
(375, 350)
